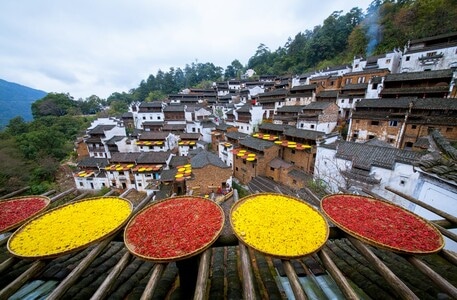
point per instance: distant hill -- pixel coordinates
(16, 100)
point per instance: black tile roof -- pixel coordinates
(303, 133)
(273, 127)
(174, 108)
(159, 157)
(153, 135)
(153, 104)
(122, 157)
(445, 74)
(93, 162)
(256, 144)
(328, 94)
(205, 158)
(178, 161)
(291, 108)
(305, 87)
(365, 156)
(100, 129)
(224, 126)
(190, 136)
(319, 105)
(112, 141)
(384, 103)
(356, 86)
(235, 135)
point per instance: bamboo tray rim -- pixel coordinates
(80, 247)
(378, 244)
(130, 246)
(46, 199)
(244, 199)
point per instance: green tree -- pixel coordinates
(53, 104)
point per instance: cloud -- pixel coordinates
(100, 47)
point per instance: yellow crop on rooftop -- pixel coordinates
(69, 227)
(279, 225)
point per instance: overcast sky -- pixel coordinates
(88, 47)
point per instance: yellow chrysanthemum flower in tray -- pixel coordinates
(70, 227)
(279, 225)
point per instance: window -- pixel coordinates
(430, 54)
(293, 151)
(361, 79)
(370, 136)
(413, 126)
(81, 184)
(312, 126)
(357, 121)
(302, 125)
(374, 123)
(449, 129)
(356, 66)
(342, 101)
(272, 169)
(253, 166)
(144, 118)
(375, 86)
(407, 58)
(393, 123)
(388, 61)
(159, 117)
(236, 168)
(348, 81)
(139, 184)
(391, 141)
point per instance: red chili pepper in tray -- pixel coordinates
(16, 210)
(174, 228)
(382, 223)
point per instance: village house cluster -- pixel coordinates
(384, 121)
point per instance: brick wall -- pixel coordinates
(208, 179)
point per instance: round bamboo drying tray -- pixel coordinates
(165, 235)
(388, 232)
(263, 228)
(22, 232)
(3, 213)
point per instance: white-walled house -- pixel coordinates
(101, 131)
(390, 60)
(430, 54)
(246, 118)
(357, 166)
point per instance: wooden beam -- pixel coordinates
(402, 289)
(104, 288)
(435, 277)
(11, 288)
(12, 194)
(8, 263)
(299, 293)
(449, 256)
(63, 194)
(441, 213)
(153, 281)
(203, 274)
(78, 270)
(247, 274)
(337, 275)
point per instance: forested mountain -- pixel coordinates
(16, 100)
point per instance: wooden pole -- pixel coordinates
(80, 268)
(8, 263)
(337, 275)
(299, 293)
(203, 274)
(153, 281)
(247, 274)
(15, 193)
(109, 281)
(19, 281)
(435, 277)
(402, 289)
(449, 256)
(441, 213)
